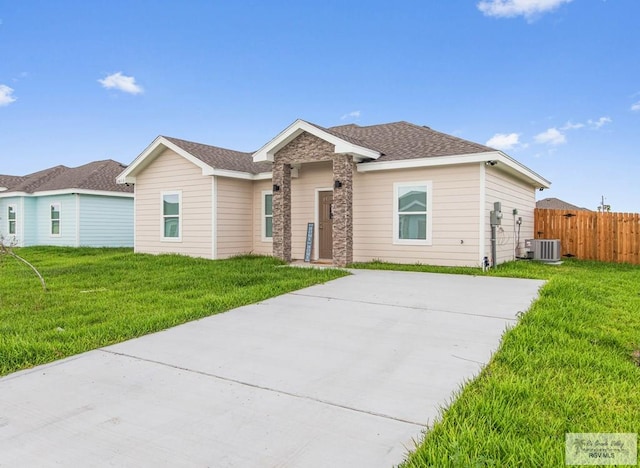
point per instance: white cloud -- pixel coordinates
(121, 82)
(551, 136)
(510, 8)
(6, 95)
(636, 106)
(504, 141)
(571, 126)
(599, 123)
(352, 115)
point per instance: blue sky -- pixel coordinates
(554, 83)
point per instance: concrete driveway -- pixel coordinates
(348, 373)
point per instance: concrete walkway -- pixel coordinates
(348, 373)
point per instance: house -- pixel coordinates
(81, 206)
(397, 192)
(557, 204)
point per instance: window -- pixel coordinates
(267, 215)
(412, 210)
(11, 217)
(55, 219)
(171, 214)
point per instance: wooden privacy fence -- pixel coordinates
(590, 235)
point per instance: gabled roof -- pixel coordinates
(97, 176)
(344, 144)
(211, 160)
(376, 147)
(557, 204)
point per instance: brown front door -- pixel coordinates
(325, 226)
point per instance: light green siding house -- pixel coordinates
(75, 207)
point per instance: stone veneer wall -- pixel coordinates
(309, 148)
(343, 210)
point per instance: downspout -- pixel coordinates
(482, 219)
(214, 221)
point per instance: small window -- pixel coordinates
(412, 212)
(171, 214)
(55, 219)
(267, 215)
(11, 217)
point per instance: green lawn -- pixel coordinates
(571, 365)
(98, 297)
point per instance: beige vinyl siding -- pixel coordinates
(234, 216)
(311, 176)
(260, 247)
(454, 217)
(513, 194)
(171, 172)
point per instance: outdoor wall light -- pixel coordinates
(276, 188)
(337, 184)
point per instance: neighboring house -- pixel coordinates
(557, 204)
(81, 206)
(396, 192)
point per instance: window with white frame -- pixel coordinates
(267, 215)
(11, 218)
(55, 219)
(171, 215)
(412, 213)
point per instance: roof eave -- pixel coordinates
(267, 152)
(68, 191)
(501, 161)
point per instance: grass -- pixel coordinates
(571, 365)
(97, 297)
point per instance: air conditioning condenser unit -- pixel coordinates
(545, 250)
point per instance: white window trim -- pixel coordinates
(15, 220)
(263, 222)
(162, 216)
(396, 219)
(51, 234)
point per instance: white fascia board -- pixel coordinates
(128, 176)
(296, 128)
(15, 194)
(263, 176)
(498, 156)
(540, 181)
(71, 191)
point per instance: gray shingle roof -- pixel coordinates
(396, 141)
(404, 140)
(8, 181)
(97, 175)
(221, 158)
(557, 204)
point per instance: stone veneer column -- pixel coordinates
(282, 210)
(343, 210)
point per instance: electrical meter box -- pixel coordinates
(495, 217)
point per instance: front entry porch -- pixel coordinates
(334, 232)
